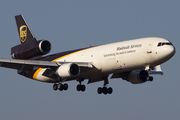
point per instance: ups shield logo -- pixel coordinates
(23, 33)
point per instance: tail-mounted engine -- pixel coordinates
(138, 76)
(38, 48)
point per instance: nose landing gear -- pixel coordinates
(150, 78)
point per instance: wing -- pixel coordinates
(28, 65)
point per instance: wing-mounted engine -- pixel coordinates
(67, 70)
(38, 48)
(138, 76)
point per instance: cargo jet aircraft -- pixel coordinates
(133, 60)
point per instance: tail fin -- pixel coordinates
(25, 34)
(29, 47)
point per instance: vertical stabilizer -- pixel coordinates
(25, 34)
(29, 48)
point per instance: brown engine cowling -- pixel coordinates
(38, 48)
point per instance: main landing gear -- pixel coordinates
(81, 87)
(60, 86)
(104, 89)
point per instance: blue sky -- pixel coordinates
(72, 24)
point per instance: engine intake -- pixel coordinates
(38, 48)
(68, 70)
(138, 76)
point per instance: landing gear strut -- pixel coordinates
(104, 89)
(150, 77)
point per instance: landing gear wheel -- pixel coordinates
(65, 86)
(55, 87)
(110, 90)
(81, 88)
(150, 78)
(60, 87)
(105, 90)
(78, 87)
(99, 90)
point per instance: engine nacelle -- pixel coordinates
(41, 47)
(68, 70)
(138, 76)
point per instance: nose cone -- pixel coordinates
(171, 50)
(168, 52)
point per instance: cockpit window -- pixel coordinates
(164, 43)
(159, 44)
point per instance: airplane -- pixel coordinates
(132, 60)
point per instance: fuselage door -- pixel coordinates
(150, 48)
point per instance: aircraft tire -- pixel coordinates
(78, 87)
(150, 78)
(99, 90)
(65, 86)
(59, 85)
(55, 87)
(83, 88)
(110, 90)
(105, 90)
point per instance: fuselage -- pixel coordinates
(115, 57)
